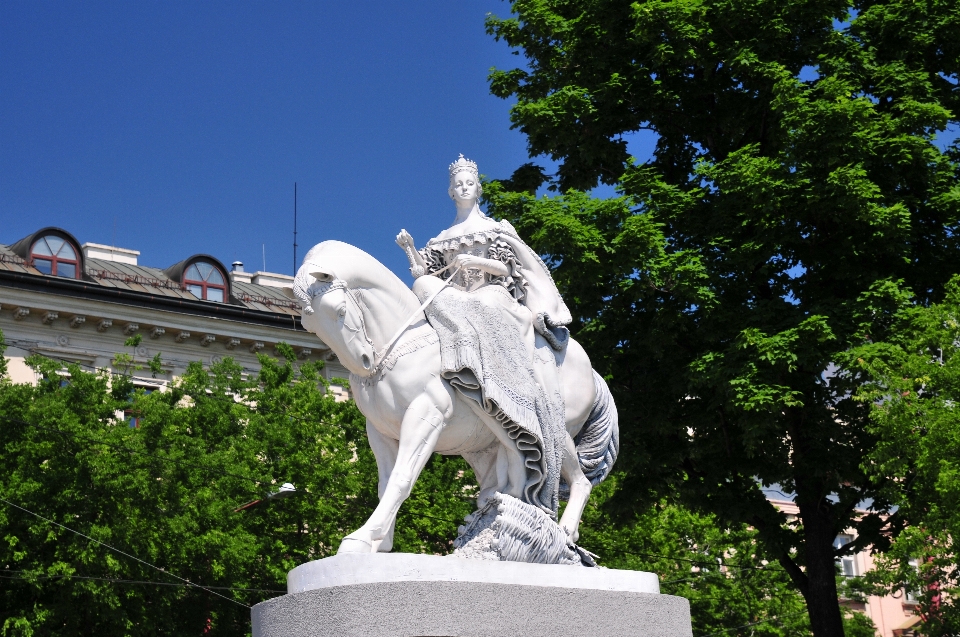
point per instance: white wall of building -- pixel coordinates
(93, 332)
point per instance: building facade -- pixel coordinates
(894, 615)
(79, 303)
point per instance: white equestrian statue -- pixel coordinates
(474, 361)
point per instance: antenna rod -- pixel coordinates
(294, 228)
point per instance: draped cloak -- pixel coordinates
(487, 358)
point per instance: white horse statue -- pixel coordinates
(476, 361)
(375, 326)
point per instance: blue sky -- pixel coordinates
(180, 127)
(176, 128)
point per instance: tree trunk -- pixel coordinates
(823, 603)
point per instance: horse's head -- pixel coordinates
(350, 300)
(337, 318)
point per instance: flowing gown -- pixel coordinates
(499, 338)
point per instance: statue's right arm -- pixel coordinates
(417, 266)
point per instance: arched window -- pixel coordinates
(54, 255)
(205, 281)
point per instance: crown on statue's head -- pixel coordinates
(464, 164)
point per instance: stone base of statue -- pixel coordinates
(407, 595)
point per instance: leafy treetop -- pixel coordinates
(797, 187)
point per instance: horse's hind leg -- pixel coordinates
(484, 465)
(580, 488)
(385, 451)
(422, 423)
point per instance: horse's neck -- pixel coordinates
(386, 312)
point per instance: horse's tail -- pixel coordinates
(598, 442)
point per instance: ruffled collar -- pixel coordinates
(481, 236)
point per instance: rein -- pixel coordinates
(381, 356)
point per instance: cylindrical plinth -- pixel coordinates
(466, 600)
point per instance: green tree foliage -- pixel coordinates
(914, 395)
(732, 585)
(721, 571)
(795, 172)
(166, 492)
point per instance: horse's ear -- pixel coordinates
(323, 277)
(288, 292)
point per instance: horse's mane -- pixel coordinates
(359, 270)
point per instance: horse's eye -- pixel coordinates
(342, 312)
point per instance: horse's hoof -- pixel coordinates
(383, 547)
(354, 545)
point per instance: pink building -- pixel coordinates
(894, 615)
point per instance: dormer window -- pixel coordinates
(205, 281)
(54, 255)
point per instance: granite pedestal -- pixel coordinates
(406, 595)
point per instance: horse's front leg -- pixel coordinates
(421, 426)
(385, 451)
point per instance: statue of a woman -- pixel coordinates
(501, 324)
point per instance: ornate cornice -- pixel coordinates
(91, 291)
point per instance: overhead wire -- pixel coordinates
(702, 562)
(128, 581)
(212, 589)
(116, 550)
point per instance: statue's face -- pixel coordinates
(465, 187)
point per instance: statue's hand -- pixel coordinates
(468, 261)
(405, 241)
(417, 267)
(471, 262)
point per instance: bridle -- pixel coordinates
(381, 356)
(340, 284)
